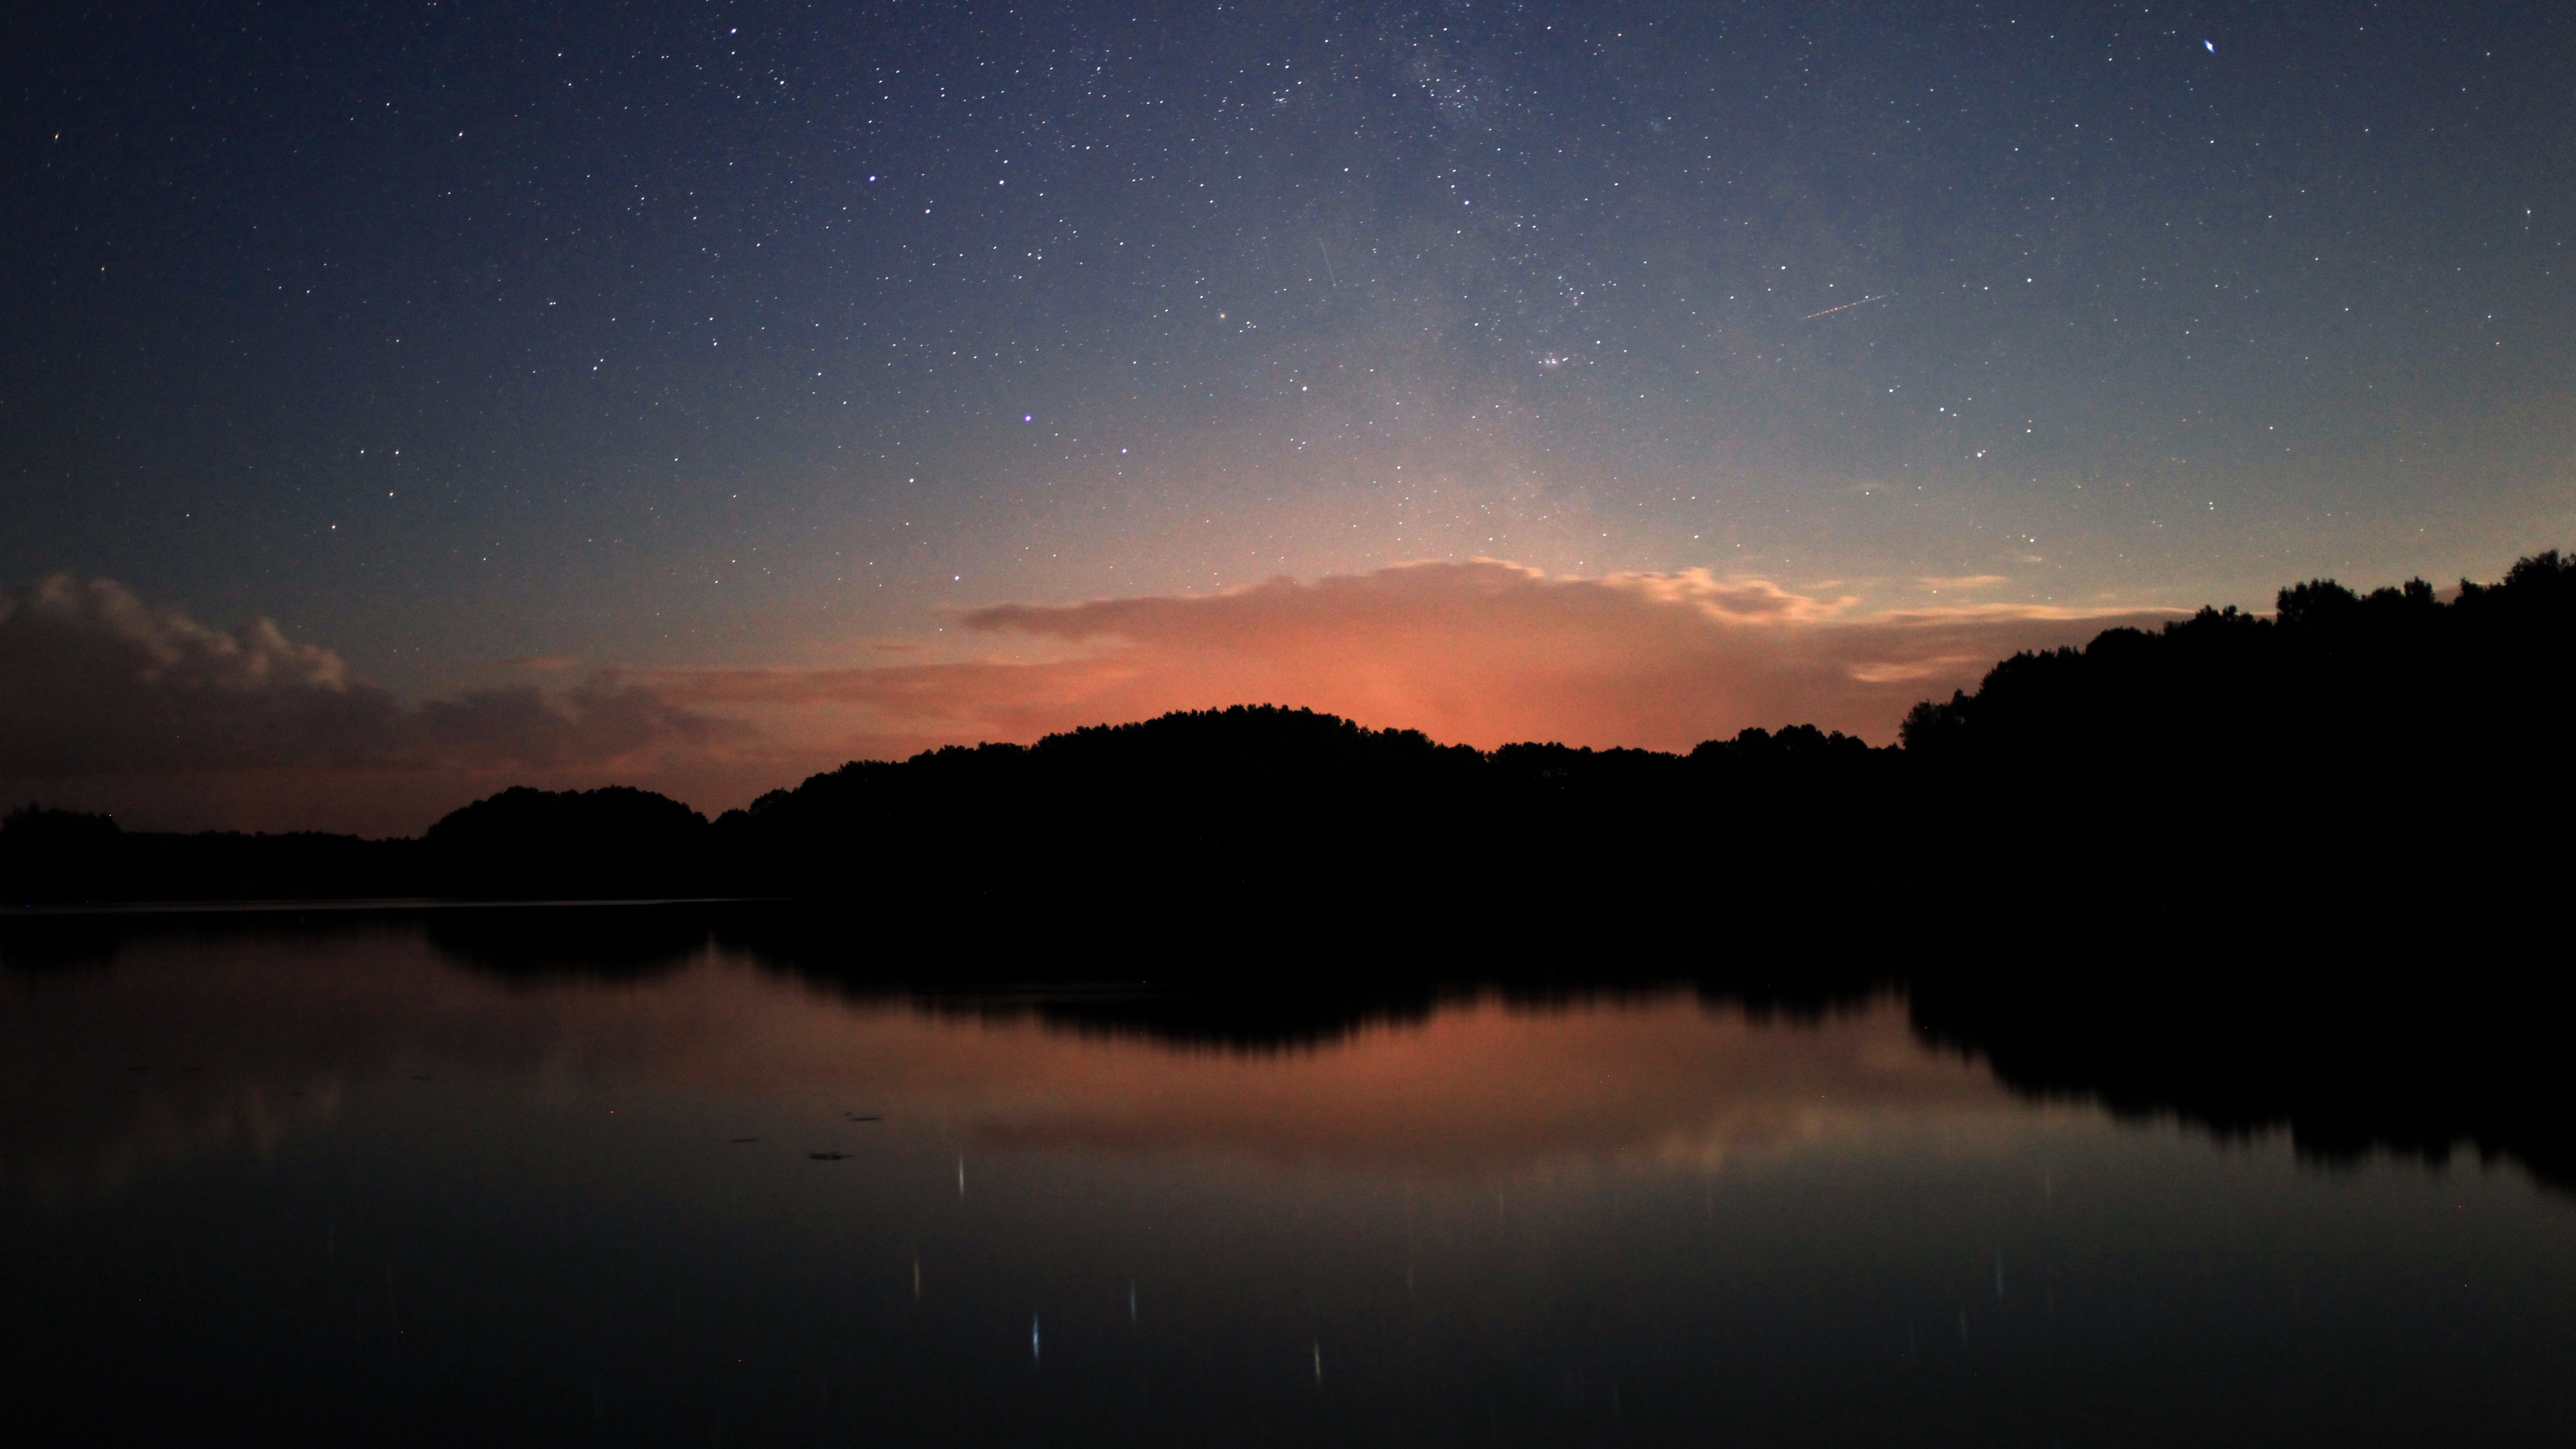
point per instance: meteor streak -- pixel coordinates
(1847, 306)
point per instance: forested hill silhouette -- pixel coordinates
(2321, 747)
(2348, 745)
(569, 844)
(1266, 802)
(2390, 711)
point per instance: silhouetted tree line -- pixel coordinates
(2384, 739)
(1271, 805)
(1188, 807)
(2386, 712)
(74, 856)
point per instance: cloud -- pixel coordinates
(1482, 653)
(94, 682)
(106, 703)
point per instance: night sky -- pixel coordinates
(720, 362)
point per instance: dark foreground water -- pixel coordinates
(349, 1186)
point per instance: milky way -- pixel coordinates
(734, 334)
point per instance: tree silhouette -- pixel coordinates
(2328, 741)
(616, 841)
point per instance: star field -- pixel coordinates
(748, 333)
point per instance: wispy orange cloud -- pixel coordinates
(1482, 653)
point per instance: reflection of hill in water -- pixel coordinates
(2348, 1065)
(555, 943)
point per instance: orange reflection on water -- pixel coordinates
(1480, 1087)
(205, 1048)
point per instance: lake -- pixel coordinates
(372, 1181)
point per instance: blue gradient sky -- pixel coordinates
(717, 335)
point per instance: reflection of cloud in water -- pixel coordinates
(1483, 1088)
(1479, 1087)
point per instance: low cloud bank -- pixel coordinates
(106, 702)
(101, 694)
(96, 682)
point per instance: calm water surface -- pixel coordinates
(351, 1188)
